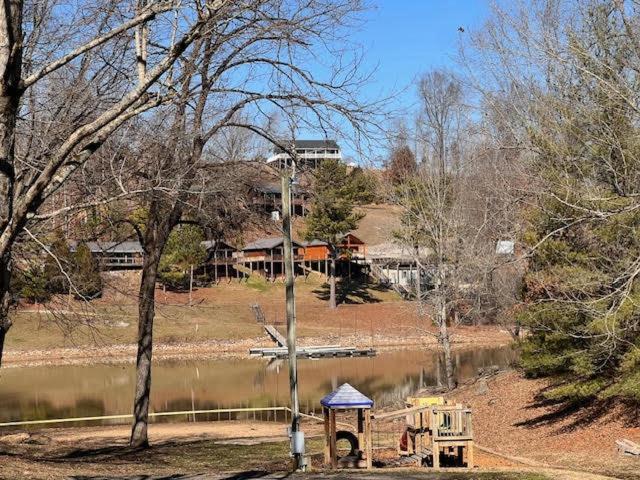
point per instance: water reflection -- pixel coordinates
(76, 391)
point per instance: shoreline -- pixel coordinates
(505, 406)
(462, 338)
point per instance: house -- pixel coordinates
(315, 250)
(397, 266)
(352, 247)
(268, 198)
(309, 153)
(220, 258)
(218, 250)
(266, 256)
(115, 255)
(351, 253)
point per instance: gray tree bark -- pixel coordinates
(10, 95)
(332, 281)
(158, 228)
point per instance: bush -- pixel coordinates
(30, 285)
(86, 274)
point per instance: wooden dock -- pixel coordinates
(275, 335)
(318, 351)
(324, 351)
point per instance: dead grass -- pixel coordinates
(509, 417)
(221, 312)
(184, 449)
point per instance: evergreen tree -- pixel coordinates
(55, 279)
(183, 250)
(332, 212)
(85, 274)
(30, 285)
(366, 186)
(582, 288)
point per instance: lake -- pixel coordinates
(29, 393)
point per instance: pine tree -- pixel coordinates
(183, 250)
(332, 212)
(85, 274)
(582, 288)
(55, 278)
(366, 186)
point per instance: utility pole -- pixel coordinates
(297, 438)
(191, 287)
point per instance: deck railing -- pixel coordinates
(117, 261)
(451, 422)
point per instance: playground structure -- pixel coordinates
(347, 398)
(434, 428)
(434, 432)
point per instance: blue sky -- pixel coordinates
(408, 37)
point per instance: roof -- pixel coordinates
(315, 243)
(353, 238)
(309, 144)
(396, 251)
(346, 397)
(267, 244)
(111, 247)
(505, 247)
(215, 244)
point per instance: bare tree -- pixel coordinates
(431, 199)
(456, 207)
(258, 60)
(88, 51)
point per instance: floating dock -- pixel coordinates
(326, 351)
(319, 351)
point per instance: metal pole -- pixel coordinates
(287, 178)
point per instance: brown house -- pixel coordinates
(352, 247)
(266, 256)
(220, 258)
(316, 250)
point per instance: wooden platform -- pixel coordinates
(325, 351)
(275, 335)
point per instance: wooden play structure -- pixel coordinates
(435, 428)
(343, 399)
(435, 431)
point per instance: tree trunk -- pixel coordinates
(443, 330)
(146, 313)
(157, 232)
(332, 282)
(446, 347)
(5, 278)
(10, 94)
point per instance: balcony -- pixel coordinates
(116, 261)
(266, 258)
(305, 156)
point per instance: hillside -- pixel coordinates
(379, 223)
(376, 227)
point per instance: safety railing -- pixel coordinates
(255, 413)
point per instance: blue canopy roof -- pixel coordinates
(346, 397)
